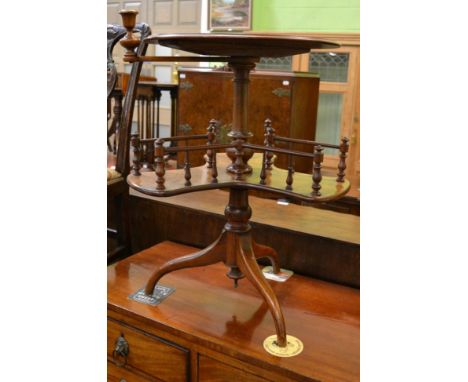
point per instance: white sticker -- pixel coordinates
(281, 277)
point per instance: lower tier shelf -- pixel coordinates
(209, 331)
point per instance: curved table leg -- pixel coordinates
(212, 254)
(265, 251)
(248, 265)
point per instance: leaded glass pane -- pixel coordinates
(275, 63)
(328, 130)
(331, 67)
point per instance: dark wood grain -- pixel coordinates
(149, 355)
(117, 189)
(309, 241)
(240, 45)
(215, 371)
(292, 111)
(207, 315)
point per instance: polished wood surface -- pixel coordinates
(209, 317)
(117, 190)
(290, 217)
(117, 374)
(240, 45)
(289, 100)
(275, 182)
(149, 355)
(215, 371)
(312, 242)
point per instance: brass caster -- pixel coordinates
(294, 346)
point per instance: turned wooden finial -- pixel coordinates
(344, 147)
(317, 174)
(211, 130)
(160, 165)
(269, 141)
(129, 42)
(135, 142)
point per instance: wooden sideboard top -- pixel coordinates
(293, 217)
(254, 73)
(206, 309)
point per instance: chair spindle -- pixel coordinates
(135, 142)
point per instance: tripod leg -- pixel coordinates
(212, 254)
(248, 265)
(265, 251)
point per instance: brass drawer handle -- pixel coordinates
(121, 350)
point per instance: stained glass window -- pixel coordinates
(275, 63)
(331, 67)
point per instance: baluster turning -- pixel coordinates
(269, 142)
(160, 164)
(317, 175)
(211, 138)
(344, 147)
(135, 142)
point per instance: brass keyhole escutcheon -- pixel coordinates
(121, 351)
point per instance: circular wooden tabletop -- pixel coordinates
(240, 45)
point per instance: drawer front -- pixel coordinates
(214, 371)
(120, 374)
(149, 354)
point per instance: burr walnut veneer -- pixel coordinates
(208, 331)
(289, 100)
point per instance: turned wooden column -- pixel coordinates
(238, 213)
(240, 125)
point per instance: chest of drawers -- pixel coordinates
(209, 331)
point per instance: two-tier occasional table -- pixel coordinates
(235, 246)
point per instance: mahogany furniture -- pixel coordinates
(118, 157)
(207, 331)
(235, 245)
(289, 100)
(312, 242)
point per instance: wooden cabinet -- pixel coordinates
(290, 100)
(148, 354)
(215, 371)
(207, 330)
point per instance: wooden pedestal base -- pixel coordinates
(236, 248)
